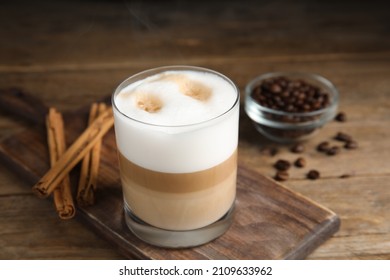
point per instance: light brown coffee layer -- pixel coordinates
(180, 211)
(177, 182)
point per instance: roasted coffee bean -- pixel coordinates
(300, 162)
(323, 146)
(333, 151)
(341, 136)
(281, 175)
(275, 88)
(351, 145)
(341, 117)
(282, 165)
(298, 148)
(313, 174)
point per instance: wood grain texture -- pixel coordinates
(109, 32)
(270, 222)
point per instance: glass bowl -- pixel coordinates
(286, 125)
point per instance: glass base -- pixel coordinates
(177, 239)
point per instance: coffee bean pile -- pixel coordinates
(327, 147)
(293, 96)
(282, 165)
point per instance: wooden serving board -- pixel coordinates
(270, 222)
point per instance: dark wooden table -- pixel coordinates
(70, 53)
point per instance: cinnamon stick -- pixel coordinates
(63, 200)
(90, 164)
(83, 144)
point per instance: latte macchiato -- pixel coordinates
(177, 134)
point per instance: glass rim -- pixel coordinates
(333, 91)
(156, 70)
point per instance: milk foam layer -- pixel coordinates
(177, 98)
(191, 127)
